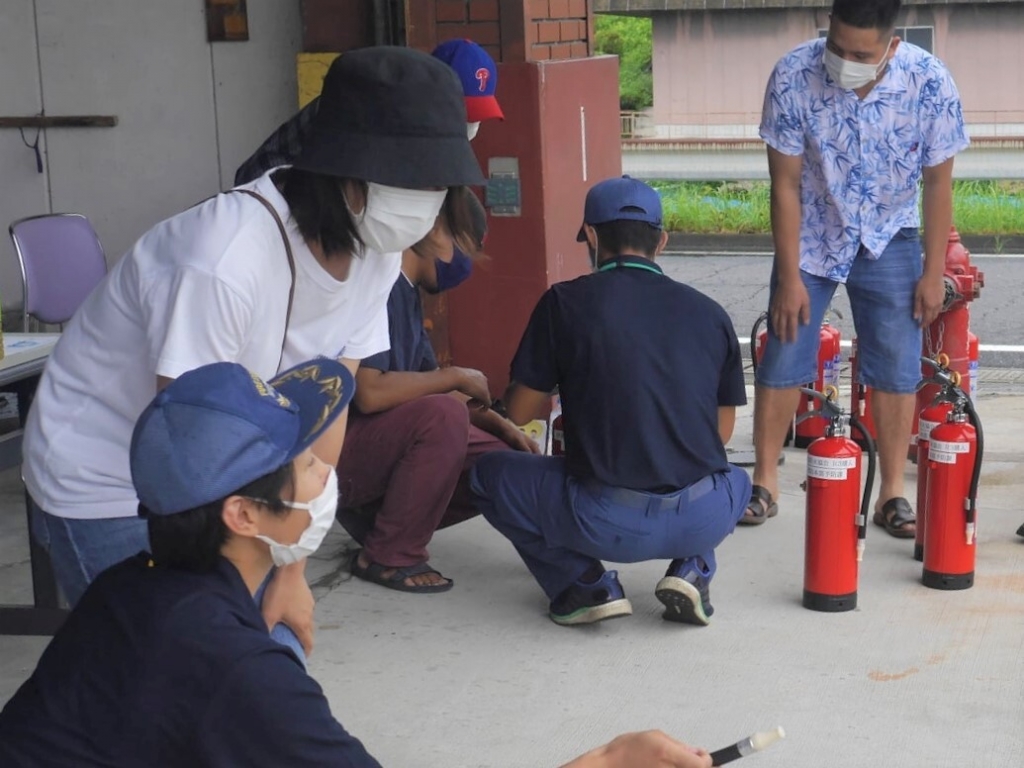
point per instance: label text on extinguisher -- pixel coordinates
(946, 453)
(925, 429)
(825, 468)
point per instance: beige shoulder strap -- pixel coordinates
(291, 262)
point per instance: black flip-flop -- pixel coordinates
(760, 507)
(374, 573)
(893, 515)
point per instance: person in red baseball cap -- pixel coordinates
(479, 78)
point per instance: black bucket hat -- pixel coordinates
(393, 116)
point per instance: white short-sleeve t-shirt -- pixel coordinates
(210, 284)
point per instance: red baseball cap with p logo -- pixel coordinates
(478, 75)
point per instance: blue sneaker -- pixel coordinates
(586, 603)
(684, 592)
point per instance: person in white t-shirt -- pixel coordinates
(296, 264)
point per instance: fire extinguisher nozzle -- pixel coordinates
(860, 550)
(970, 532)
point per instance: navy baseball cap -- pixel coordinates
(478, 75)
(217, 428)
(618, 199)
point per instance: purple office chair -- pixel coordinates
(61, 262)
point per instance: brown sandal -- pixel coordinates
(760, 507)
(894, 515)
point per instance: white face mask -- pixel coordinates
(471, 130)
(321, 513)
(851, 74)
(395, 218)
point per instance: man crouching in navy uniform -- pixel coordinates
(650, 374)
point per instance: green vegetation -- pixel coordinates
(979, 207)
(629, 38)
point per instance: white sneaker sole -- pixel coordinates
(682, 601)
(612, 610)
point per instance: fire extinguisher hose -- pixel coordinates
(761, 319)
(970, 503)
(869, 482)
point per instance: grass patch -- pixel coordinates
(994, 208)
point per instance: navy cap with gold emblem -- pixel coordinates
(217, 428)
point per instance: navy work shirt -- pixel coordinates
(159, 667)
(410, 345)
(642, 364)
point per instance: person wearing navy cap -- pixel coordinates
(650, 374)
(166, 660)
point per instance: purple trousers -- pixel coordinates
(404, 473)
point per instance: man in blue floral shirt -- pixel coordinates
(855, 123)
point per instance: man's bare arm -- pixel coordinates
(382, 390)
(726, 422)
(938, 218)
(523, 404)
(791, 306)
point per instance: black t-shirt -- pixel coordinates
(157, 667)
(410, 344)
(642, 364)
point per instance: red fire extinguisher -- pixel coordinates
(837, 512)
(810, 429)
(933, 415)
(955, 450)
(949, 333)
(806, 429)
(930, 418)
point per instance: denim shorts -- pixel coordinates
(881, 293)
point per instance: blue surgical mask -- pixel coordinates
(453, 273)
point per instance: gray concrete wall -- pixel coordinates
(188, 111)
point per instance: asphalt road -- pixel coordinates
(740, 284)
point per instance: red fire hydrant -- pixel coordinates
(949, 333)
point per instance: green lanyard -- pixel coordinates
(629, 264)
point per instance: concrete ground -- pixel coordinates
(913, 678)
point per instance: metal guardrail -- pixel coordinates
(636, 125)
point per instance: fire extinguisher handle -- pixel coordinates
(830, 410)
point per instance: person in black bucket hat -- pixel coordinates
(296, 264)
(478, 76)
(417, 139)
